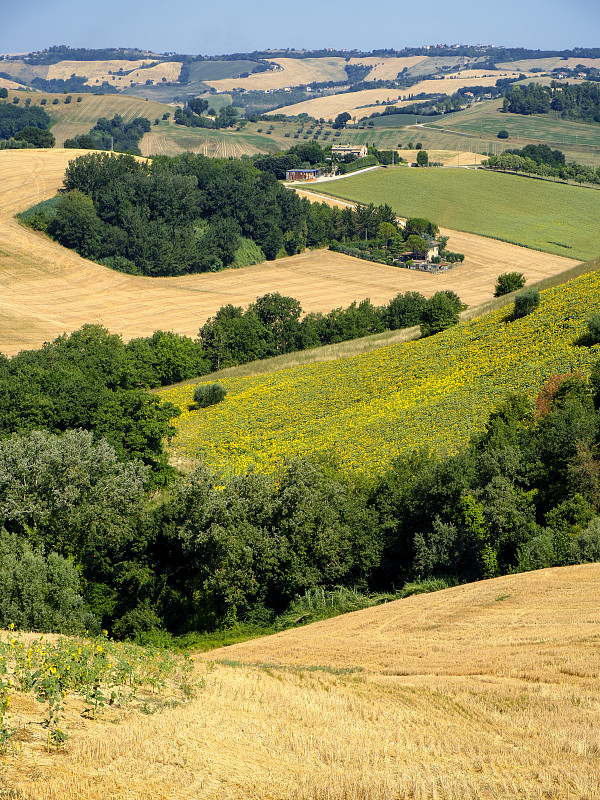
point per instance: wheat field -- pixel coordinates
(48, 290)
(486, 691)
(293, 72)
(364, 102)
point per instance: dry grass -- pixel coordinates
(48, 290)
(170, 140)
(363, 103)
(387, 69)
(293, 72)
(449, 158)
(99, 71)
(488, 690)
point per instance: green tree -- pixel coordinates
(341, 120)
(508, 282)
(76, 224)
(422, 158)
(440, 312)
(526, 302)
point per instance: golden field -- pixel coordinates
(363, 103)
(48, 290)
(487, 691)
(291, 72)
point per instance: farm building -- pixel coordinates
(342, 150)
(302, 174)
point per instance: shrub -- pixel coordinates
(593, 325)
(502, 134)
(508, 282)
(209, 395)
(526, 302)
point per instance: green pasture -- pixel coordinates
(218, 70)
(543, 215)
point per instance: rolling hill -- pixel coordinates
(48, 290)
(364, 410)
(543, 215)
(486, 690)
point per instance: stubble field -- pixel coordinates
(487, 690)
(48, 290)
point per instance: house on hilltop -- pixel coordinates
(341, 150)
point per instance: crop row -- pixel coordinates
(365, 410)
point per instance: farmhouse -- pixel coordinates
(342, 150)
(302, 174)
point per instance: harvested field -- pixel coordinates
(293, 72)
(363, 103)
(486, 691)
(97, 72)
(170, 140)
(387, 69)
(48, 290)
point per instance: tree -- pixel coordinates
(502, 134)
(36, 137)
(3, 93)
(526, 302)
(76, 224)
(422, 158)
(417, 245)
(279, 315)
(341, 120)
(209, 395)
(508, 282)
(440, 312)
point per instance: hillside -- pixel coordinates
(543, 215)
(364, 410)
(486, 690)
(48, 290)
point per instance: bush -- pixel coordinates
(593, 325)
(526, 302)
(508, 282)
(502, 134)
(209, 395)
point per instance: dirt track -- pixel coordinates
(47, 290)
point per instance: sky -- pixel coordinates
(229, 26)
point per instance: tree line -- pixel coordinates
(570, 101)
(112, 134)
(214, 552)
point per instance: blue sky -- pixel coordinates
(194, 26)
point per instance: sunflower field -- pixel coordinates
(365, 410)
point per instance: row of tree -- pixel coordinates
(571, 101)
(112, 134)
(524, 494)
(510, 161)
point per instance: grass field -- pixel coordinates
(48, 290)
(488, 691)
(365, 410)
(548, 216)
(218, 70)
(485, 120)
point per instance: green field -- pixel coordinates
(364, 410)
(218, 70)
(579, 140)
(543, 215)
